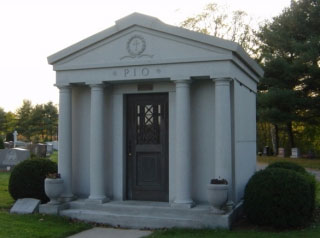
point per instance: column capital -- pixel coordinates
(222, 81)
(182, 82)
(96, 85)
(180, 79)
(61, 87)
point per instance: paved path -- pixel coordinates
(99, 232)
(313, 171)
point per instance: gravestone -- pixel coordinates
(25, 206)
(266, 150)
(21, 144)
(2, 157)
(32, 147)
(295, 153)
(49, 148)
(11, 157)
(41, 150)
(8, 144)
(55, 145)
(281, 152)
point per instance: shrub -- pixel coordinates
(278, 197)
(27, 179)
(297, 168)
(287, 165)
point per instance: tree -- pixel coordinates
(10, 122)
(36, 123)
(24, 118)
(2, 121)
(290, 51)
(214, 20)
(43, 122)
(51, 119)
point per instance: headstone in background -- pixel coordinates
(55, 145)
(25, 206)
(14, 156)
(295, 153)
(41, 150)
(49, 148)
(8, 144)
(32, 147)
(281, 152)
(266, 150)
(21, 144)
(3, 153)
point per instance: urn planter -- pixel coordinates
(53, 189)
(217, 197)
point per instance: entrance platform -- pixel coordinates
(150, 215)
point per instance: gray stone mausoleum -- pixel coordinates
(149, 113)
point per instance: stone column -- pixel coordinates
(223, 150)
(183, 145)
(65, 141)
(97, 188)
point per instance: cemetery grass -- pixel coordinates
(54, 157)
(32, 226)
(5, 199)
(307, 163)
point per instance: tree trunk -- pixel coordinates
(290, 135)
(275, 138)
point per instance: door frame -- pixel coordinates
(166, 151)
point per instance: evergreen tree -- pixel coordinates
(290, 47)
(24, 119)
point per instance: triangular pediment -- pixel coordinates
(140, 39)
(140, 45)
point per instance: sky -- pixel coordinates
(32, 30)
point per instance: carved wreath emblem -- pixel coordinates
(136, 45)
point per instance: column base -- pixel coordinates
(229, 206)
(183, 204)
(96, 200)
(67, 198)
(52, 209)
(218, 211)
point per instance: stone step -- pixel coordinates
(137, 207)
(147, 220)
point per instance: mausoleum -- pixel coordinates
(149, 113)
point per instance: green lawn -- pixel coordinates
(307, 163)
(5, 199)
(54, 157)
(32, 226)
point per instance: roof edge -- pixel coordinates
(157, 25)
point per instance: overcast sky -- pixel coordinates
(34, 29)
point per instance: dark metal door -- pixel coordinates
(147, 147)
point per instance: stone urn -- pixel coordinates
(218, 195)
(53, 188)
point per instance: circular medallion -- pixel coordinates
(136, 45)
